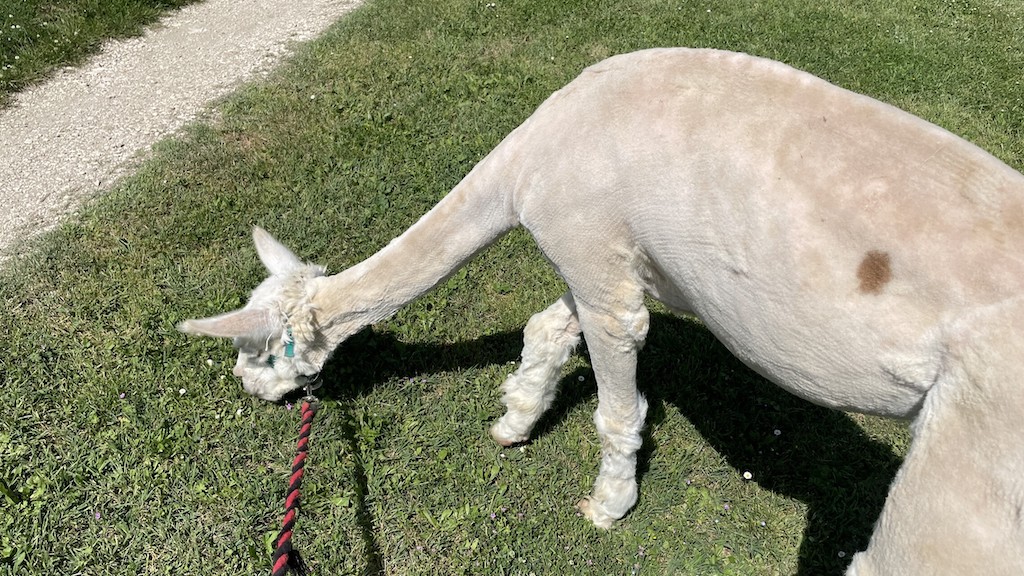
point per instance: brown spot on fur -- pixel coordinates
(874, 272)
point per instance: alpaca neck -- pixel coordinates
(472, 216)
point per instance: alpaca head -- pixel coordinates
(275, 329)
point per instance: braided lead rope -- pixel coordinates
(285, 557)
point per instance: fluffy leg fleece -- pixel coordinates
(548, 340)
(613, 341)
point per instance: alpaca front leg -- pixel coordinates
(613, 343)
(548, 340)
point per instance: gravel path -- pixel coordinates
(67, 139)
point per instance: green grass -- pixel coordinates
(347, 146)
(39, 36)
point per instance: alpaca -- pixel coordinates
(852, 253)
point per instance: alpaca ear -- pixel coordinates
(278, 259)
(256, 324)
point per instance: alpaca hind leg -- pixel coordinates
(548, 340)
(613, 340)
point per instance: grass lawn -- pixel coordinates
(128, 448)
(38, 36)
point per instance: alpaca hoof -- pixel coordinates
(595, 513)
(502, 435)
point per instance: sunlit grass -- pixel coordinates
(109, 468)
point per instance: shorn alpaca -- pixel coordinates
(854, 254)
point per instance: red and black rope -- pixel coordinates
(285, 556)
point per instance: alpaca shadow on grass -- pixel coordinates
(368, 358)
(819, 456)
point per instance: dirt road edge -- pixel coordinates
(68, 139)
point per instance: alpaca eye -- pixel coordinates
(271, 360)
